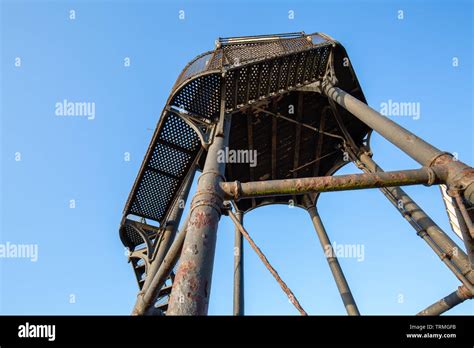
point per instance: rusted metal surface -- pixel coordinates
(146, 297)
(465, 225)
(460, 176)
(336, 270)
(238, 268)
(192, 284)
(464, 213)
(267, 264)
(446, 249)
(448, 302)
(426, 176)
(415, 147)
(169, 232)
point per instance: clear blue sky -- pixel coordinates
(80, 253)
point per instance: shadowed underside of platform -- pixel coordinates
(287, 149)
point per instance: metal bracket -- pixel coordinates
(146, 240)
(203, 127)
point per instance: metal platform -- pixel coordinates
(295, 101)
(261, 76)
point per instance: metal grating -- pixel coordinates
(242, 53)
(247, 52)
(247, 84)
(167, 157)
(131, 238)
(178, 133)
(200, 64)
(165, 166)
(253, 70)
(154, 191)
(200, 96)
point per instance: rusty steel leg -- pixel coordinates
(147, 297)
(192, 284)
(448, 302)
(422, 222)
(338, 274)
(465, 226)
(267, 264)
(269, 188)
(238, 268)
(173, 220)
(460, 175)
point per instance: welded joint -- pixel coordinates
(308, 203)
(195, 122)
(330, 75)
(364, 150)
(237, 192)
(358, 164)
(356, 157)
(453, 192)
(210, 199)
(328, 82)
(212, 196)
(206, 141)
(459, 176)
(226, 208)
(461, 294)
(145, 239)
(464, 293)
(439, 157)
(216, 173)
(432, 177)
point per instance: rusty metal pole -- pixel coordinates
(338, 274)
(448, 302)
(460, 175)
(415, 147)
(238, 268)
(192, 283)
(267, 264)
(465, 225)
(414, 213)
(268, 188)
(148, 296)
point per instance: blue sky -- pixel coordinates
(80, 256)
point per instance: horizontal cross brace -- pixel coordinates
(424, 175)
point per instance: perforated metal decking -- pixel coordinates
(261, 75)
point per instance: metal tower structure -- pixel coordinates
(295, 100)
